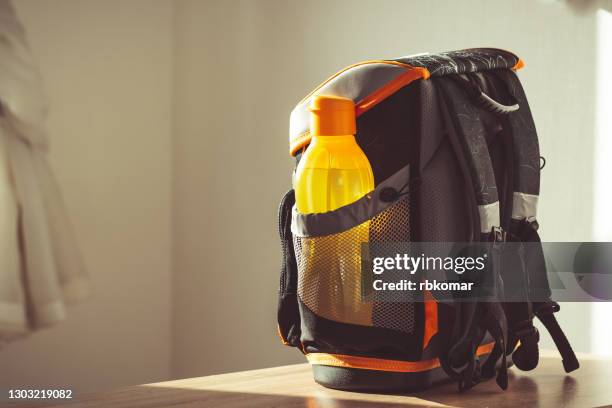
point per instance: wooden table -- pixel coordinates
(292, 386)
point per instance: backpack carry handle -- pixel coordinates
(483, 100)
(491, 105)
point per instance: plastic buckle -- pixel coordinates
(532, 222)
(498, 234)
(547, 309)
(525, 333)
(388, 195)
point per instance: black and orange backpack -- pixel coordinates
(455, 157)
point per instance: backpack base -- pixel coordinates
(363, 380)
(357, 379)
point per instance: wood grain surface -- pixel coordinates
(293, 386)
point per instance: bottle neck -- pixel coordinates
(332, 139)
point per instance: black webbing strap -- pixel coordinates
(545, 312)
(535, 263)
(462, 364)
(524, 136)
(495, 323)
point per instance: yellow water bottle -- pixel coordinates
(332, 173)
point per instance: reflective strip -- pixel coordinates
(524, 206)
(369, 363)
(351, 215)
(489, 216)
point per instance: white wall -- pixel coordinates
(230, 169)
(169, 124)
(601, 333)
(107, 66)
(240, 68)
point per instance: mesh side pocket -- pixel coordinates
(392, 225)
(330, 279)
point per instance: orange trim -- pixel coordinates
(411, 74)
(389, 89)
(519, 64)
(431, 318)
(368, 363)
(299, 142)
(278, 330)
(399, 64)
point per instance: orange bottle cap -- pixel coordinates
(331, 116)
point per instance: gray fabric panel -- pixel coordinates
(351, 215)
(355, 83)
(363, 80)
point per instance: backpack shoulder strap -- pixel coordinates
(524, 226)
(468, 137)
(467, 134)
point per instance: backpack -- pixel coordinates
(455, 157)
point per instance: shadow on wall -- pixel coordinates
(586, 6)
